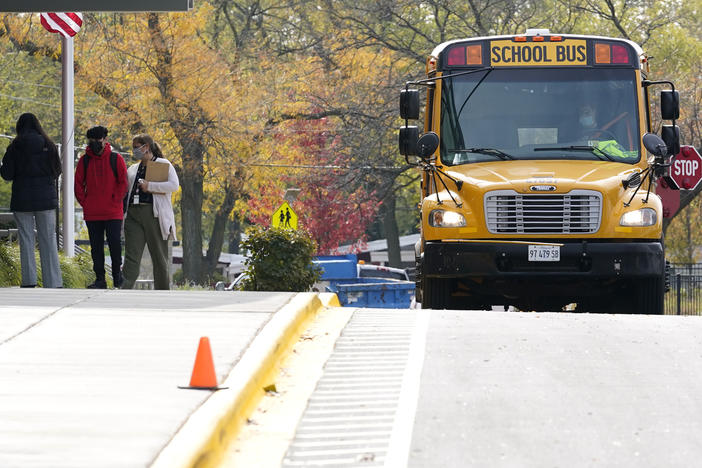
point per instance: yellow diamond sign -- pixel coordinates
(284, 217)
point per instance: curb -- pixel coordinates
(205, 436)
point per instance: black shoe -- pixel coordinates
(98, 285)
(28, 286)
(117, 280)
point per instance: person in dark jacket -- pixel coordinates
(32, 163)
(100, 190)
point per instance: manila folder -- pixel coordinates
(157, 171)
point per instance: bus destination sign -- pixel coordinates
(507, 53)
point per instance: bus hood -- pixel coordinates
(543, 175)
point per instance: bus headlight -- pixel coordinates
(443, 218)
(642, 217)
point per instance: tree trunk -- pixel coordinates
(392, 234)
(191, 182)
(217, 239)
(234, 236)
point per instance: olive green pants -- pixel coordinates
(142, 228)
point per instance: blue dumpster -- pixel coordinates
(340, 275)
(337, 266)
(374, 292)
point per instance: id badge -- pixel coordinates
(136, 199)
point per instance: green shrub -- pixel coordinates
(279, 260)
(10, 274)
(77, 272)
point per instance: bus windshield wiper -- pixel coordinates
(593, 149)
(491, 151)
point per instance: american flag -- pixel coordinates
(67, 24)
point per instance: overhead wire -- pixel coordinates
(39, 85)
(312, 166)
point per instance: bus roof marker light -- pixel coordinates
(474, 55)
(537, 32)
(520, 39)
(602, 53)
(556, 38)
(538, 39)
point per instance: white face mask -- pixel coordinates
(138, 153)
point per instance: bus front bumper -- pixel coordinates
(578, 260)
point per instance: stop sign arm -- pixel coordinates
(686, 197)
(686, 170)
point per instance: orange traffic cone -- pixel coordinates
(203, 376)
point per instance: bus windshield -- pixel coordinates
(502, 114)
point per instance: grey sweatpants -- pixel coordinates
(48, 250)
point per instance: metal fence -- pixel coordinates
(685, 294)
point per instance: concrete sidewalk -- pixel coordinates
(90, 378)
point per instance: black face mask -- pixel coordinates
(95, 147)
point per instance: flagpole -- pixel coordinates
(67, 141)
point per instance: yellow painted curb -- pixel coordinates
(204, 438)
(329, 299)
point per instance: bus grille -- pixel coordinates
(576, 212)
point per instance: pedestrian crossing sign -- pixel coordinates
(284, 217)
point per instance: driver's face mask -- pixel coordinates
(587, 118)
(587, 121)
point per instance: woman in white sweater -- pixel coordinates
(148, 218)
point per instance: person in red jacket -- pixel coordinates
(100, 186)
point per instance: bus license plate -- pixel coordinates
(544, 253)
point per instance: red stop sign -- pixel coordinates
(686, 170)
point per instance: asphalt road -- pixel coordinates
(559, 390)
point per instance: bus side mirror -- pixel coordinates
(670, 105)
(671, 137)
(427, 144)
(409, 104)
(655, 145)
(408, 140)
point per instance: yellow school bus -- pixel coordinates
(538, 173)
